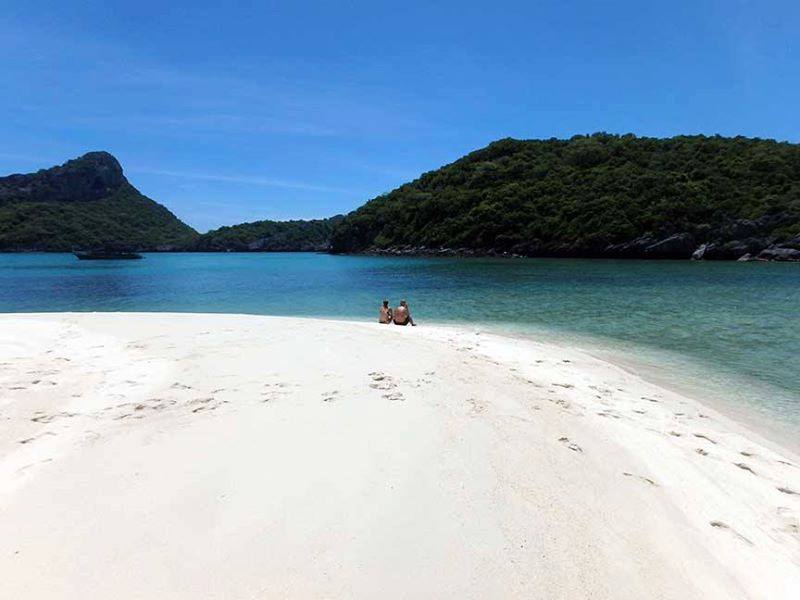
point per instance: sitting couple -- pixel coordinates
(399, 316)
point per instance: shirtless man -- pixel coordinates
(385, 316)
(402, 316)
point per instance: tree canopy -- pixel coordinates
(589, 196)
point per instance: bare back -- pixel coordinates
(401, 315)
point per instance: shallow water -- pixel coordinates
(730, 330)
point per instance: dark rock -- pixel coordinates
(93, 176)
(732, 250)
(675, 246)
(257, 244)
(780, 254)
(631, 249)
(701, 251)
(793, 243)
(742, 228)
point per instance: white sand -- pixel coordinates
(219, 456)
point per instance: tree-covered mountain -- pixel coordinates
(270, 236)
(86, 202)
(595, 196)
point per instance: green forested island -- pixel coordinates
(593, 196)
(590, 196)
(86, 202)
(270, 236)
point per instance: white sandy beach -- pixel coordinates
(222, 456)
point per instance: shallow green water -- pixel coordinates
(729, 329)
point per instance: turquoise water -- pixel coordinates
(730, 330)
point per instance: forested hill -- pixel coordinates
(270, 236)
(86, 202)
(593, 196)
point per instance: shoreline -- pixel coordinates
(742, 413)
(601, 349)
(767, 255)
(321, 457)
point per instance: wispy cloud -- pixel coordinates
(243, 179)
(208, 121)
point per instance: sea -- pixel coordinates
(724, 332)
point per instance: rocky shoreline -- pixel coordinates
(675, 247)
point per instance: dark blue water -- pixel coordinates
(732, 329)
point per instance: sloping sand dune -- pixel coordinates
(223, 456)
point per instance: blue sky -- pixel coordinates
(235, 111)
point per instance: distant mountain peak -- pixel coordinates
(85, 202)
(92, 176)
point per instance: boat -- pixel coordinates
(106, 254)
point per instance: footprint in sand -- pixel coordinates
(608, 413)
(572, 446)
(330, 396)
(701, 452)
(641, 478)
(47, 418)
(790, 523)
(209, 403)
(31, 439)
(726, 527)
(476, 406)
(381, 381)
(274, 390)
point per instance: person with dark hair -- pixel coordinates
(385, 314)
(402, 316)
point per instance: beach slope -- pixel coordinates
(228, 456)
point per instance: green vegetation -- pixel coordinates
(598, 195)
(125, 218)
(86, 202)
(270, 236)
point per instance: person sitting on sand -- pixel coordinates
(402, 316)
(385, 315)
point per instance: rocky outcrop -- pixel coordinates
(748, 250)
(745, 240)
(779, 253)
(731, 250)
(679, 245)
(93, 176)
(84, 203)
